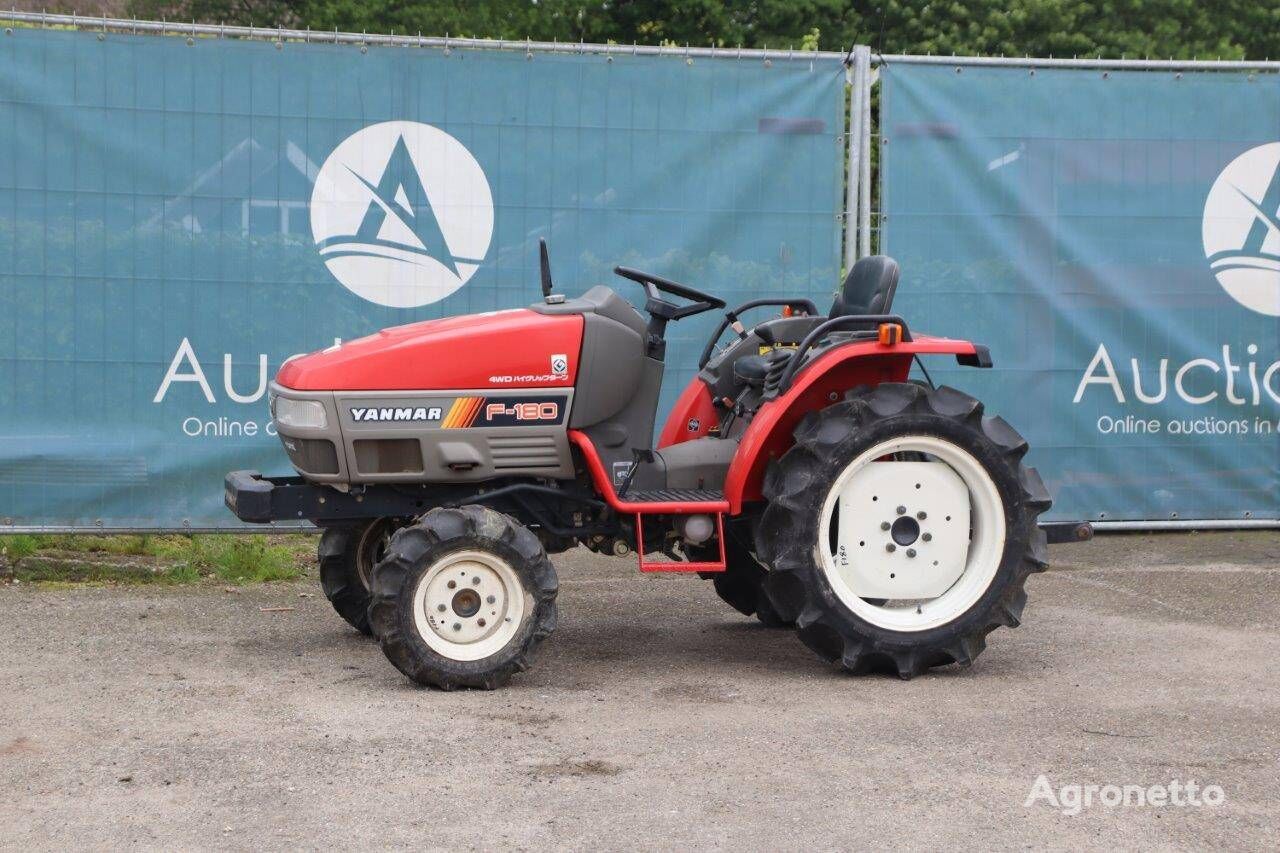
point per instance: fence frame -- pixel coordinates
(281, 36)
(1177, 66)
(862, 67)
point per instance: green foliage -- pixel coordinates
(174, 559)
(1111, 28)
(235, 559)
(17, 547)
(249, 559)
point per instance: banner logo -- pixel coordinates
(402, 214)
(1241, 229)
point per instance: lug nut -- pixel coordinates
(457, 626)
(902, 510)
(884, 525)
(475, 581)
(491, 599)
(928, 537)
(891, 547)
(440, 607)
(922, 515)
(911, 552)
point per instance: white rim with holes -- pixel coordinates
(469, 605)
(924, 537)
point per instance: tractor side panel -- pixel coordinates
(431, 436)
(816, 386)
(610, 369)
(453, 437)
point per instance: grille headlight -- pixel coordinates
(303, 414)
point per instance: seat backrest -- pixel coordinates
(868, 288)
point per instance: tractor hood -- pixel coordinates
(498, 349)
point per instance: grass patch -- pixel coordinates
(171, 559)
(17, 547)
(250, 559)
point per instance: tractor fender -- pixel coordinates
(819, 384)
(693, 415)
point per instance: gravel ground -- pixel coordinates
(655, 717)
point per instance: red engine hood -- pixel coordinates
(502, 349)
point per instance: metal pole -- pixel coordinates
(862, 56)
(853, 147)
(1116, 64)
(1188, 524)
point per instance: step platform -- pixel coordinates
(678, 502)
(675, 496)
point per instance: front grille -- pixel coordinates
(311, 455)
(519, 451)
(388, 456)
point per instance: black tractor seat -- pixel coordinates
(868, 289)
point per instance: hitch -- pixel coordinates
(1061, 532)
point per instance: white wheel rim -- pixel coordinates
(469, 605)
(865, 556)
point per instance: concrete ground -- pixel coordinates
(655, 717)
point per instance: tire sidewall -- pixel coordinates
(366, 537)
(340, 579)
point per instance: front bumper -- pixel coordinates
(261, 500)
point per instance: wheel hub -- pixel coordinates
(905, 531)
(468, 605)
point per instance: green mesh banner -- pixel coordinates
(176, 220)
(1113, 236)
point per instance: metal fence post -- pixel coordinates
(853, 147)
(862, 58)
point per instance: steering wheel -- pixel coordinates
(661, 308)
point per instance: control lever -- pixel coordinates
(637, 456)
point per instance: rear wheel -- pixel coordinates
(347, 556)
(901, 528)
(462, 598)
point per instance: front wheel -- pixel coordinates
(347, 556)
(462, 598)
(901, 528)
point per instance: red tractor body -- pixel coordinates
(801, 469)
(501, 349)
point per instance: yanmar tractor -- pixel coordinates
(892, 524)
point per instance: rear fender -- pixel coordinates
(691, 417)
(819, 384)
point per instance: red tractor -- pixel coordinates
(892, 524)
